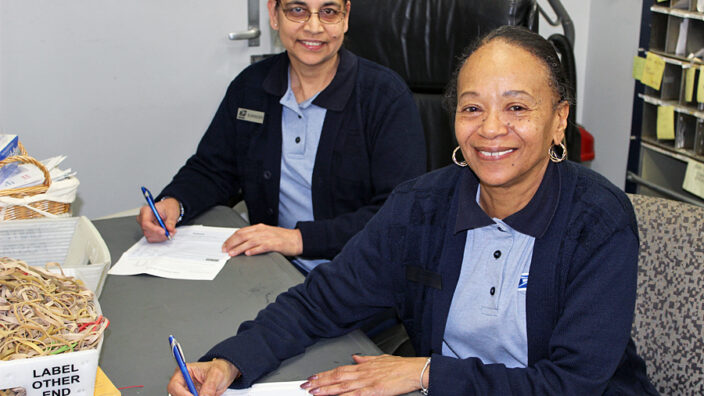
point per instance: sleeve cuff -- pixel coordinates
(246, 352)
(314, 243)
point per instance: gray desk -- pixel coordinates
(143, 311)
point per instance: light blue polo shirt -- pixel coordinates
(487, 317)
(301, 126)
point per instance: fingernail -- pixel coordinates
(305, 385)
(314, 391)
(313, 377)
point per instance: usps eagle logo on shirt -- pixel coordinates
(523, 282)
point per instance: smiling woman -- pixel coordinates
(507, 122)
(313, 139)
(312, 42)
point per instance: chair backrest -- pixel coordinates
(421, 40)
(668, 326)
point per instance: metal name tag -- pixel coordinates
(250, 115)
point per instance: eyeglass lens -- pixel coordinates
(302, 14)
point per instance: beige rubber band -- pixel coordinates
(41, 312)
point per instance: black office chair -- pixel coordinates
(422, 39)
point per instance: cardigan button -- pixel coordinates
(267, 175)
(497, 254)
(270, 211)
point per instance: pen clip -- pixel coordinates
(147, 193)
(176, 348)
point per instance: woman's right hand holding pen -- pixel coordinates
(169, 209)
(210, 378)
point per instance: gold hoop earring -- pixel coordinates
(553, 155)
(454, 158)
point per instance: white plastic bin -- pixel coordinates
(72, 242)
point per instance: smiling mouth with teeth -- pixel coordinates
(495, 153)
(312, 43)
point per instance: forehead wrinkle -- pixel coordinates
(516, 92)
(506, 94)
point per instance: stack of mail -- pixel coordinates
(27, 175)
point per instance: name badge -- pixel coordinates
(523, 282)
(250, 115)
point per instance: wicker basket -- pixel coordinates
(18, 212)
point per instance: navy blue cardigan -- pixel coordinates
(579, 302)
(372, 140)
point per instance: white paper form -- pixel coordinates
(292, 388)
(193, 253)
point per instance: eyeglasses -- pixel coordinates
(326, 15)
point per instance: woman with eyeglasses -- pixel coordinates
(313, 139)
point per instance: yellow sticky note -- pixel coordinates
(700, 86)
(689, 75)
(103, 385)
(653, 71)
(694, 178)
(638, 65)
(666, 122)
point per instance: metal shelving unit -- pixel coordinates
(657, 166)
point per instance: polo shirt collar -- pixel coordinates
(534, 219)
(333, 97)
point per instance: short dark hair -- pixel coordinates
(527, 40)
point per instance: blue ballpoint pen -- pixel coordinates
(150, 201)
(181, 361)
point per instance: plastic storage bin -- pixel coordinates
(72, 242)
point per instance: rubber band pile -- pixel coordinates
(42, 313)
(13, 392)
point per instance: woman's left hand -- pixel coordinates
(372, 375)
(262, 238)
